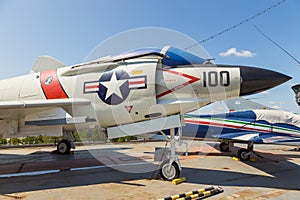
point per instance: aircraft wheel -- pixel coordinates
(64, 147)
(169, 173)
(243, 154)
(224, 146)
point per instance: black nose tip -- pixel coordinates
(254, 80)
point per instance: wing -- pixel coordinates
(25, 117)
(41, 109)
(15, 109)
(264, 138)
(240, 136)
(21, 104)
(241, 104)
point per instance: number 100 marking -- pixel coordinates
(214, 79)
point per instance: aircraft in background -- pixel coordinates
(296, 89)
(137, 92)
(261, 125)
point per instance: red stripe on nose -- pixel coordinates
(51, 85)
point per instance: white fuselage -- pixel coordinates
(136, 90)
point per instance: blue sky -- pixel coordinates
(68, 30)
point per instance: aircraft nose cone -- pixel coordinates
(254, 80)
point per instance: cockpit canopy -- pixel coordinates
(170, 56)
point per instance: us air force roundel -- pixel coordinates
(114, 86)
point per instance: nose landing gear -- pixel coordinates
(171, 168)
(169, 171)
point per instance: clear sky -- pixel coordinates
(69, 29)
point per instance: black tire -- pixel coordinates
(171, 174)
(224, 146)
(64, 147)
(243, 154)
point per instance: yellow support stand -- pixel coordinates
(236, 159)
(178, 180)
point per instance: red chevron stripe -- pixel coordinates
(192, 80)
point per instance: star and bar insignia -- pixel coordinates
(113, 87)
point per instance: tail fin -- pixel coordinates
(43, 63)
(241, 104)
(296, 89)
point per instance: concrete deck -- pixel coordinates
(125, 171)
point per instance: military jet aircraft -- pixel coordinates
(260, 125)
(137, 92)
(296, 89)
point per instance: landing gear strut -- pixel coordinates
(65, 145)
(170, 169)
(244, 154)
(224, 146)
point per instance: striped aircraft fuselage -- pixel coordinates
(258, 126)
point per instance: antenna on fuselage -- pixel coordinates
(209, 60)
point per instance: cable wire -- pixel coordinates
(275, 43)
(236, 25)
